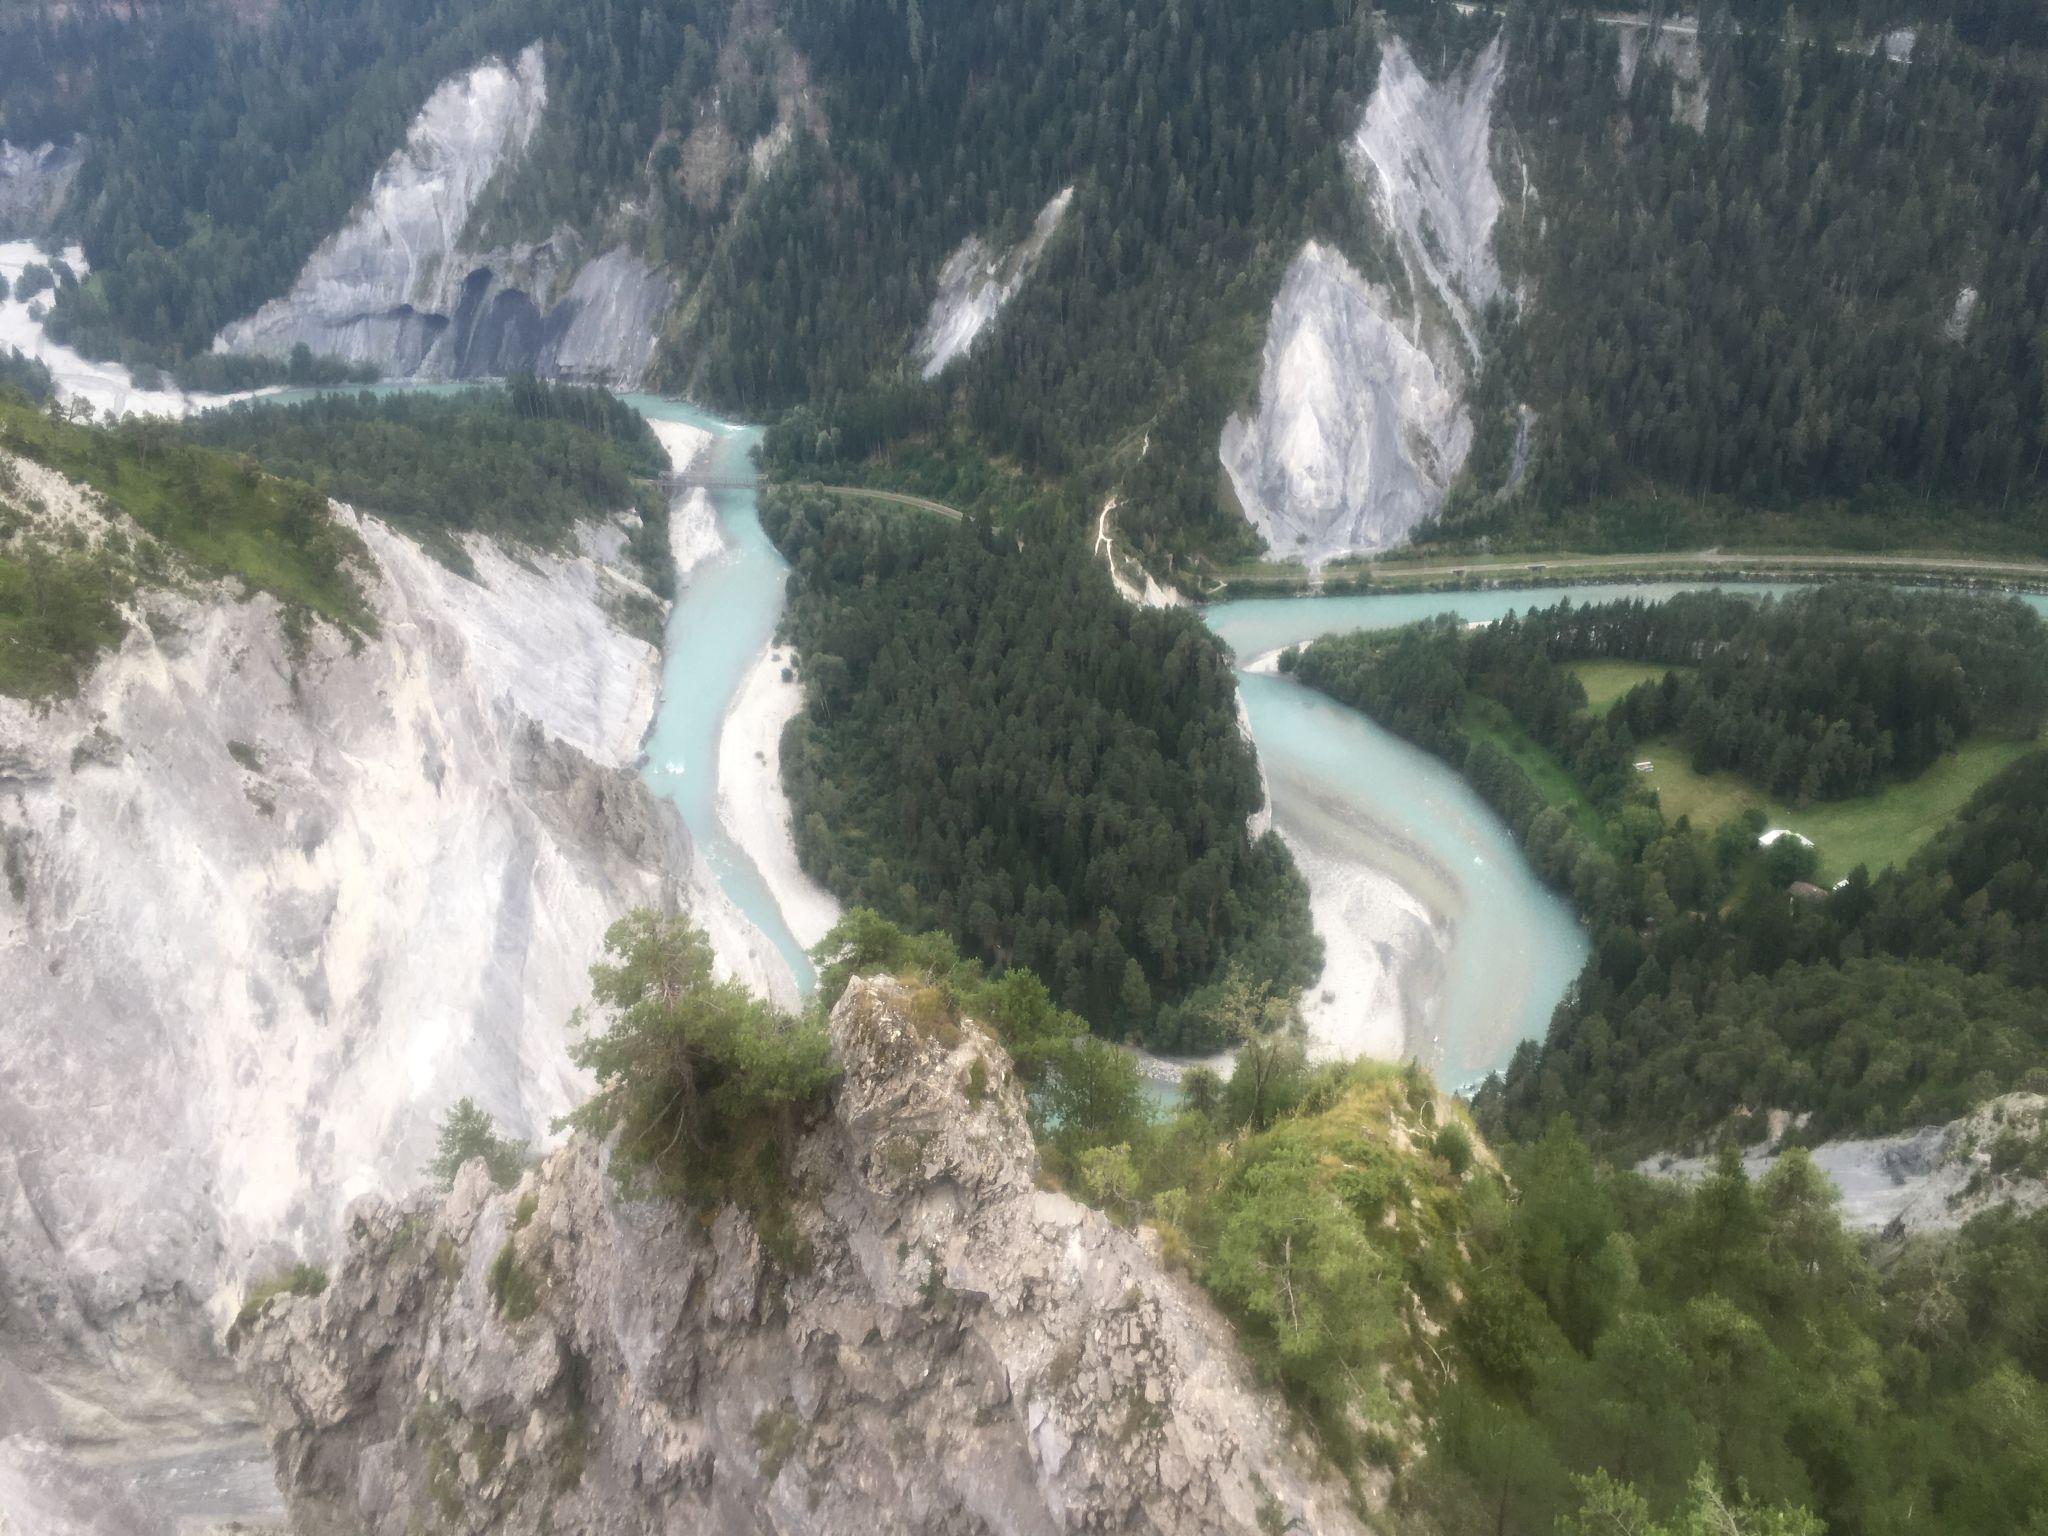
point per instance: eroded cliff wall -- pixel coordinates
(399, 285)
(274, 898)
(1360, 424)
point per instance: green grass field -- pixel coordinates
(1486, 720)
(1873, 830)
(1606, 681)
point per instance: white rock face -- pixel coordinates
(958, 1350)
(34, 180)
(1429, 148)
(1929, 1180)
(397, 287)
(976, 283)
(1358, 430)
(1360, 425)
(267, 912)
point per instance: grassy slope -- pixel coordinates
(223, 515)
(1486, 720)
(1876, 830)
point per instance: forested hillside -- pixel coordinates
(67, 595)
(524, 462)
(996, 745)
(1713, 994)
(1820, 299)
(1828, 288)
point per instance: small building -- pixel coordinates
(1806, 890)
(1645, 766)
(1770, 837)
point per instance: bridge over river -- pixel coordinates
(692, 479)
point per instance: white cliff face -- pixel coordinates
(267, 911)
(1928, 1180)
(976, 283)
(34, 180)
(1429, 149)
(396, 286)
(1360, 425)
(612, 309)
(1358, 430)
(956, 1350)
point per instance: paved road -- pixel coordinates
(1565, 566)
(901, 498)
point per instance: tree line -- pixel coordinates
(995, 745)
(1710, 996)
(1825, 292)
(524, 461)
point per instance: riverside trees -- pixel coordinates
(1900, 999)
(996, 745)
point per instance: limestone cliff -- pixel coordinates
(273, 898)
(399, 285)
(1360, 424)
(932, 1344)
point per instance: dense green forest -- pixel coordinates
(1765, 313)
(1819, 695)
(1712, 996)
(1571, 1341)
(523, 461)
(996, 745)
(1829, 291)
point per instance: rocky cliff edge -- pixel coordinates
(930, 1343)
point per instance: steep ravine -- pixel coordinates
(942, 1347)
(272, 905)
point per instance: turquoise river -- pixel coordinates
(1443, 944)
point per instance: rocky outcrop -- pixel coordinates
(398, 286)
(34, 181)
(976, 282)
(1360, 424)
(932, 1343)
(1674, 44)
(1928, 1180)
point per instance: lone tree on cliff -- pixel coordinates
(702, 1081)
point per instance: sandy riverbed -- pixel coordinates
(751, 802)
(1383, 946)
